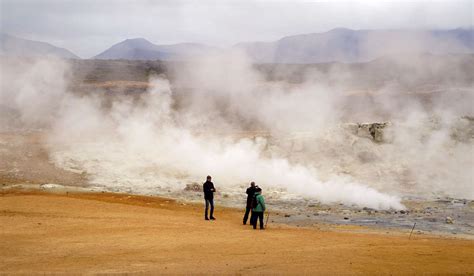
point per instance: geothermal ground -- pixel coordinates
(76, 227)
(101, 171)
(29, 167)
(59, 232)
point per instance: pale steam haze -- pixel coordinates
(88, 27)
(147, 145)
(296, 129)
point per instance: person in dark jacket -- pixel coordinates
(208, 188)
(250, 194)
(259, 209)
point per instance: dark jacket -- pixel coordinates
(208, 188)
(250, 193)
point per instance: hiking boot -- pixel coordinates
(213, 218)
(206, 218)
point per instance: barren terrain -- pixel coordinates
(107, 233)
(24, 159)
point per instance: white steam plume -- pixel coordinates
(239, 127)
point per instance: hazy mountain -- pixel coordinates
(341, 45)
(142, 49)
(14, 46)
(346, 45)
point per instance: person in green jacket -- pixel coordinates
(258, 209)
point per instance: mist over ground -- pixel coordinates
(296, 130)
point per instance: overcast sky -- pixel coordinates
(87, 27)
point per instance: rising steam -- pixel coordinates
(239, 127)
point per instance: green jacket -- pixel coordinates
(261, 203)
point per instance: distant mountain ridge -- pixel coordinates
(142, 49)
(345, 45)
(337, 45)
(14, 46)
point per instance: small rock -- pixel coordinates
(287, 216)
(346, 218)
(449, 220)
(403, 212)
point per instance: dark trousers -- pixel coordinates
(211, 202)
(246, 216)
(257, 216)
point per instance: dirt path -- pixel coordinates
(96, 233)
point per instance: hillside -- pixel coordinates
(14, 46)
(142, 49)
(345, 45)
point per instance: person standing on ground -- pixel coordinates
(208, 188)
(250, 194)
(258, 209)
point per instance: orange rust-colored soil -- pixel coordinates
(109, 233)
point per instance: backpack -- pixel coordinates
(254, 202)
